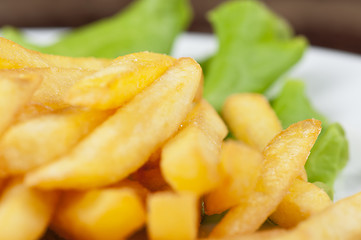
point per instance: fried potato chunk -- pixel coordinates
(240, 167)
(124, 142)
(190, 159)
(251, 119)
(107, 213)
(40, 140)
(173, 216)
(25, 212)
(302, 200)
(284, 156)
(111, 87)
(16, 89)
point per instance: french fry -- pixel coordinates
(284, 156)
(339, 221)
(16, 89)
(13, 56)
(240, 166)
(190, 160)
(25, 212)
(54, 85)
(109, 213)
(31, 143)
(173, 216)
(111, 87)
(303, 200)
(88, 63)
(251, 119)
(124, 142)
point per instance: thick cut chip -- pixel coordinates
(88, 63)
(240, 167)
(13, 56)
(284, 156)
(123, 79)
(109, 213)
(124, 142)
(55, 83)
(16, 90)
(302, 200)
(190, 160)
(339, 221)
(40, 140)
(173, 216)
(251, 119)
(25, 212)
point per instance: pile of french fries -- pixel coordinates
(101, 149)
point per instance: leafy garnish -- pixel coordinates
(255, 49)
(146, 25)
(329, 155)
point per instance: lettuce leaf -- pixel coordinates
(255, 49)
(329, 155)
(146, 25)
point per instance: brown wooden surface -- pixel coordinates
(329, 23)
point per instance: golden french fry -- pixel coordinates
(284, 156)
(25, 212)
(173, 216)
(55, 83)
(251, 119)
(111, 87)
(339, 221)
(124, 142)
(240, 166)
(109, 213)
(13, 56)
(86, 63)
(190, 160)
(40, 140)
(16, 89)
(303, 200)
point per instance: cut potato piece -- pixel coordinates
(124, 142)
(25, 212)
(109, 213)
(173, 216)
(38, 141)
(302, 200)
(284, 156)
(251, 119)
(240, 168)
(128, 75)
(190, 160)
(16, 89)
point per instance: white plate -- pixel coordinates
(333, 81)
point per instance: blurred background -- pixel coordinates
(327, 23)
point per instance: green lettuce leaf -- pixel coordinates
(255, 49)
(146, 25)
(329, 155)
